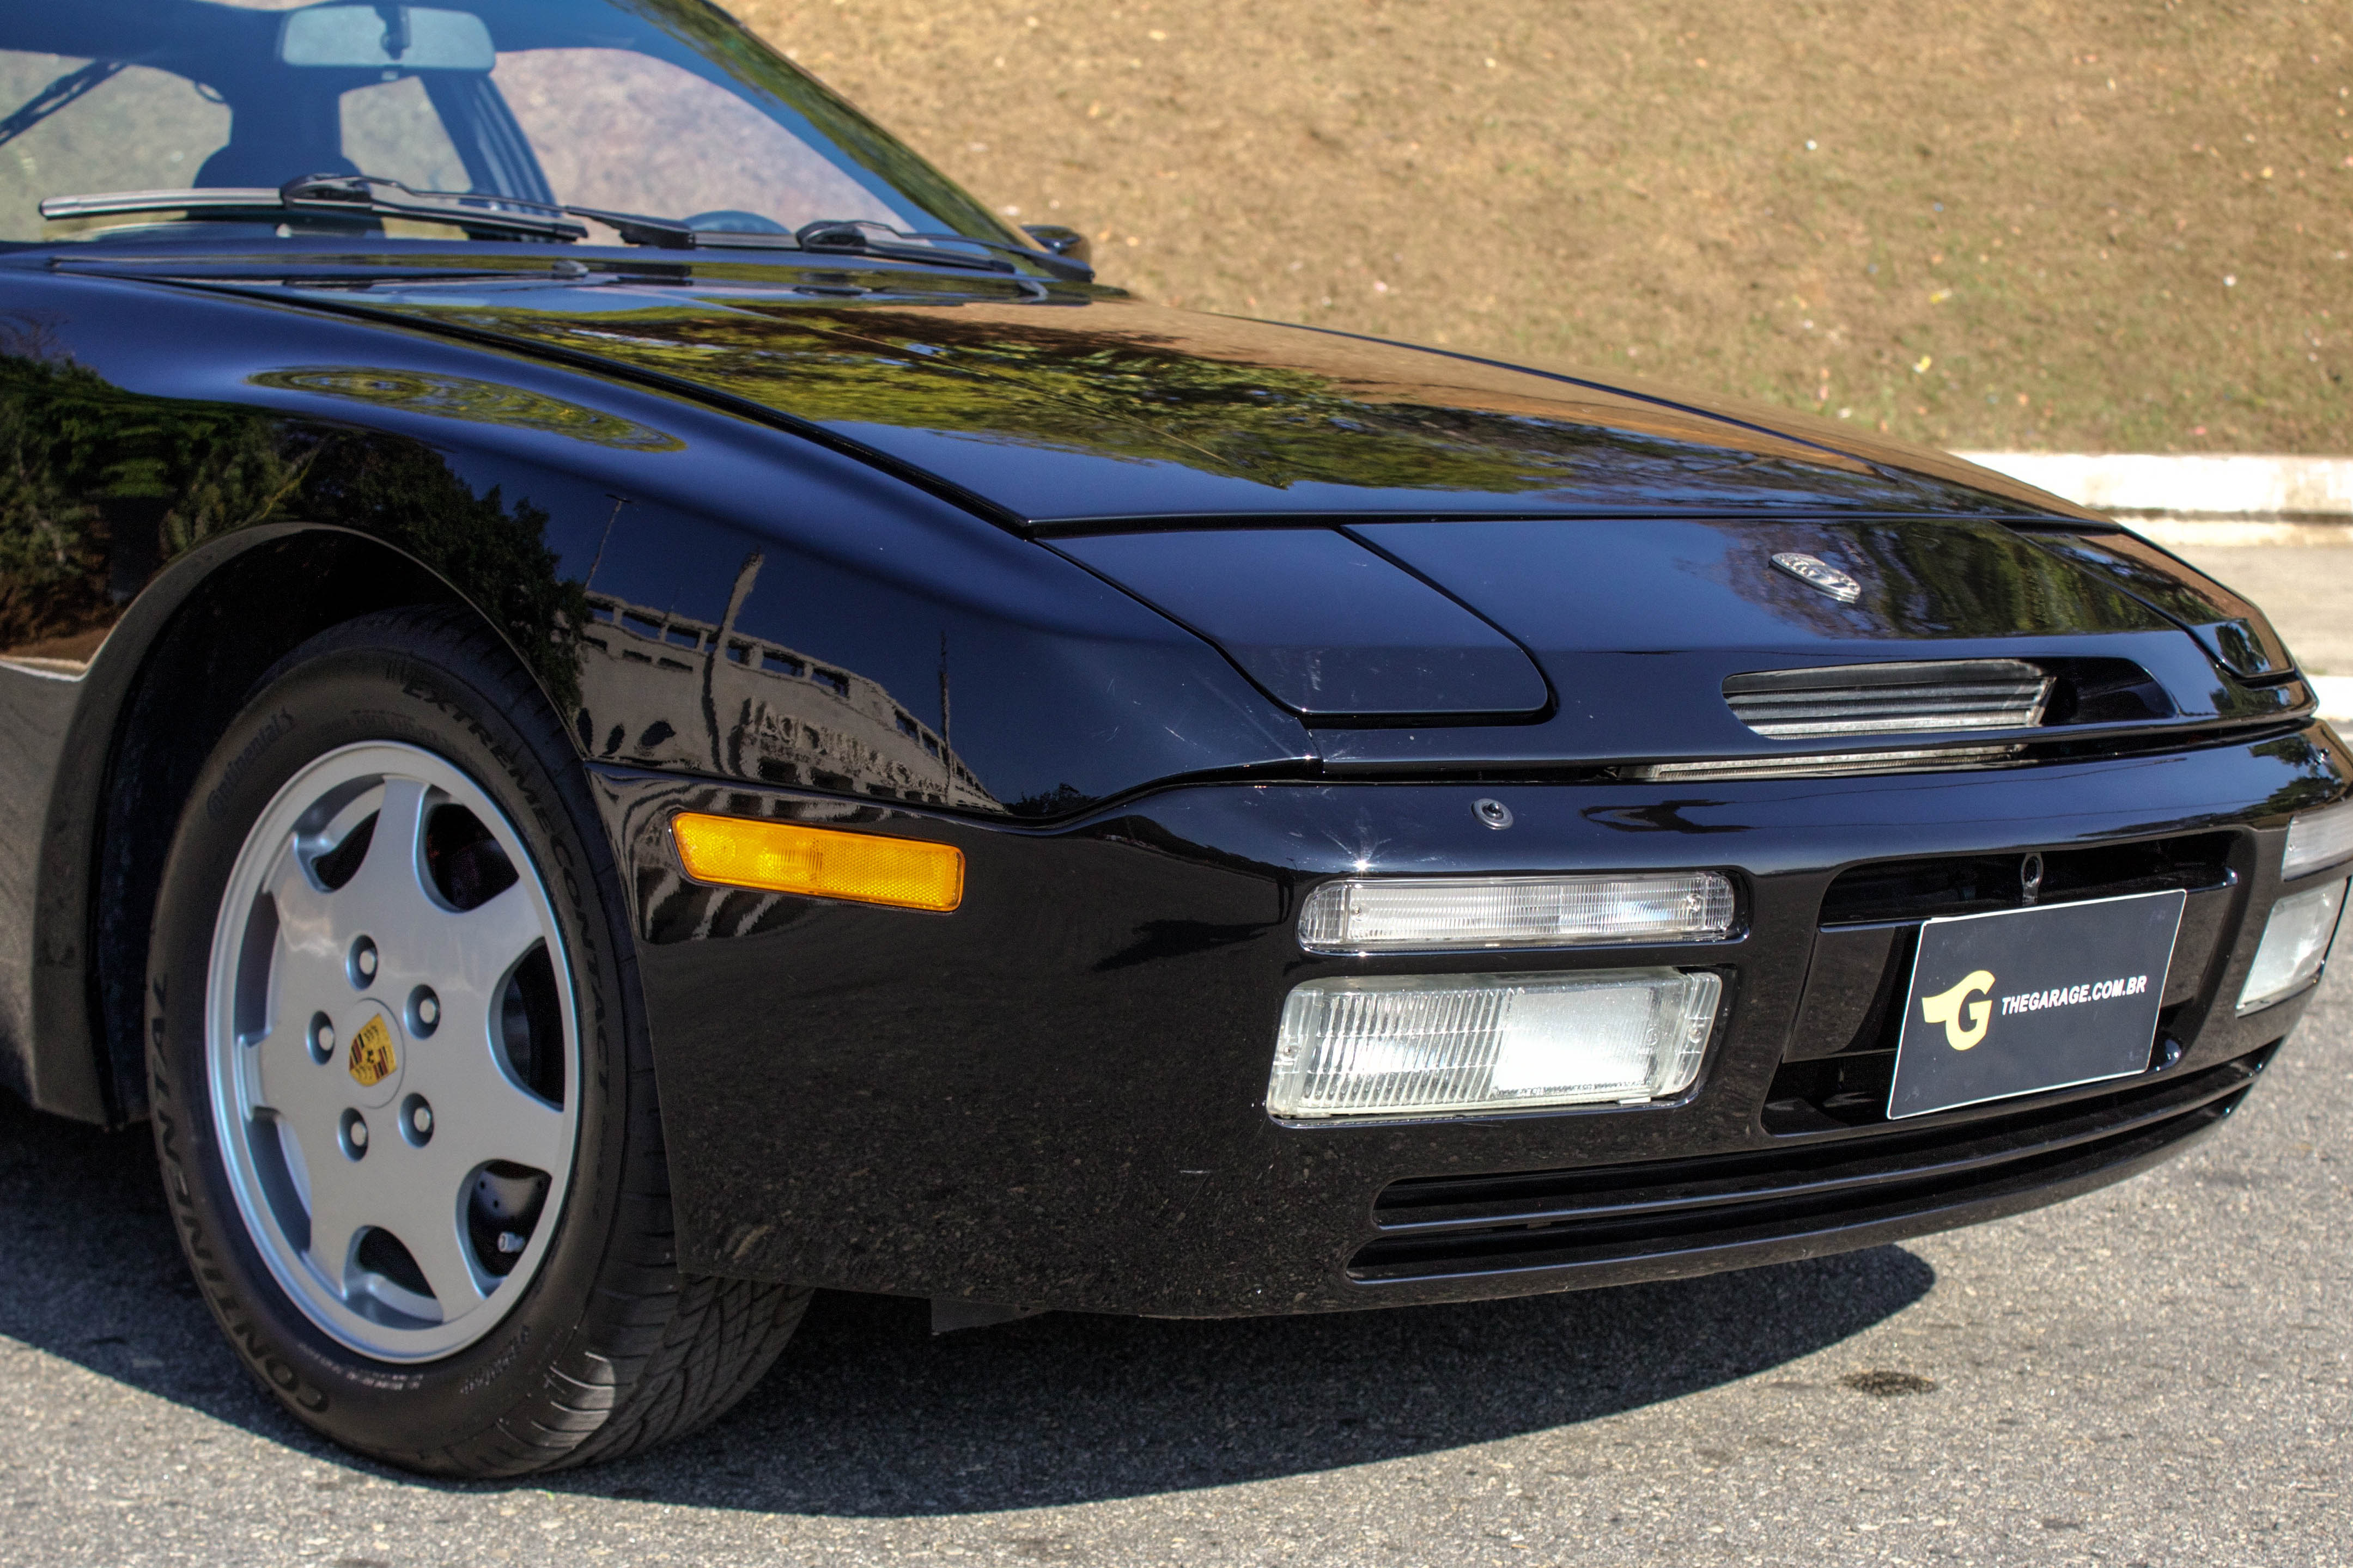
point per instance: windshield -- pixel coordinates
(665, 107)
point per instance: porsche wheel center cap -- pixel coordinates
(373, 1055)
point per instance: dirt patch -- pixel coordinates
(2019, 223)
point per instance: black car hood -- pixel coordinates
(1065, 407)
(1067, 412)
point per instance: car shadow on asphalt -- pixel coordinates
(869, 1414)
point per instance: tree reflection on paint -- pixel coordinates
(99, 487)
(1272, 406)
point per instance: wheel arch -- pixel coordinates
(156, 699)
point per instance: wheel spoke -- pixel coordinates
(385, 898)
(287, 1079)
(479, 1113)
(339, 1208)
(309, 942)
(495, 935)
(433, 1238)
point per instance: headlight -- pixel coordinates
(1422, 914)
(2317, 838)
(1425, 1045)
(2295, 946)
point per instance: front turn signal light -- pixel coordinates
(819, 862)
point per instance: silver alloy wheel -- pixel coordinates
(394, 1053)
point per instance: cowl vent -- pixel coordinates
(1908, 698)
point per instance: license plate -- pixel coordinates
(2021, 1000)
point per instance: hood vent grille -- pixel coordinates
(1908, 698)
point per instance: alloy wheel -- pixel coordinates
(393, 1051)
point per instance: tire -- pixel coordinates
(388, 893)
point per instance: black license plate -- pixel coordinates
(2023, 1000)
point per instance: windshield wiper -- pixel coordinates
(365, 196)
(349, 195)
(834, 237)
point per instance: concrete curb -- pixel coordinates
(2247, 487)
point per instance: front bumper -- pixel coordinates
(1055, 1096)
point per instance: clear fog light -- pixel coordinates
(2294, 945)
(2316, 840)
(1409, 914)
(1422, 1044)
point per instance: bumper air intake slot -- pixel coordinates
(1461, 1225)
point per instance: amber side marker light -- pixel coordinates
(786, 858)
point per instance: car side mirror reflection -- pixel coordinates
(1062, 241)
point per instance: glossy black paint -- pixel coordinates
(880, 1099)
(1323, 625)
(905, 649)
(1062, 406)
(794, 538)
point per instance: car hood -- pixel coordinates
(1067, 407)
(1520, 530)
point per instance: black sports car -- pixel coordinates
(620, 705)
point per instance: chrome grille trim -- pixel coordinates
(1910, 698)
(1837, 764)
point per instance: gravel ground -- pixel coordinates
(2157, 1374)
(2013, 225)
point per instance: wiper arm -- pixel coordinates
(838, 236)
(342, 195)
(849, 235)
(55, 96)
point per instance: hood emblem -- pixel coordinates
(1816, 573)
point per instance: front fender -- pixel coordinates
(695, 591)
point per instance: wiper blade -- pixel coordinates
(357, 194)
(337, 194)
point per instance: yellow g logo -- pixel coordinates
(1948, 1008)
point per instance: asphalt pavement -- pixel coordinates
(2161, 1373)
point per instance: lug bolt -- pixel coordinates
(424, 1011)
(416, 1120)
(323, 1038)
(428, 1012)
(364, 963)
(355, 1135)
(422, 1119)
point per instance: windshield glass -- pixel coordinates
(665, 107)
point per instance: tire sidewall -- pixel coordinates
(320, 700)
